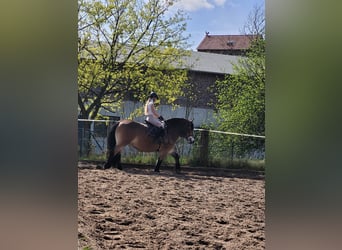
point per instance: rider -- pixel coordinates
(152, 115)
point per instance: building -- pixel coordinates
(226, 44)
(204, 69)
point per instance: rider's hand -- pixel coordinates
(161, 118)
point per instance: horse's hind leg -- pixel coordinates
(110, 158)
(114, 159)
(117, 161)
(117, 157)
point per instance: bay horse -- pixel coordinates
(128, 132)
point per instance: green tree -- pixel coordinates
(241, 103)
(127, 48)
(241, 96)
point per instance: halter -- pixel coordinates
(191, 139)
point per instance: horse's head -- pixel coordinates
(181, 127)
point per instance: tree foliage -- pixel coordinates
(241, 96)
(127, 48)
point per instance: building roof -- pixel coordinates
(202, 62)
(210, 63)
(225, 42)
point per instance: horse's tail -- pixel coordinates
(111, 141)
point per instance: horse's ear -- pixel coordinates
(192, 124)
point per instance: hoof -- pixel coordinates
(106, 166)
(119, 167)
(157, 171)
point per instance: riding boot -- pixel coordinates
(161, 134)
(155, 132)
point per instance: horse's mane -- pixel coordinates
(171, 121)
(175, 120)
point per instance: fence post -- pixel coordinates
(204, 148)
(232, 151)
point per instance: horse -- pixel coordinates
(128, 132)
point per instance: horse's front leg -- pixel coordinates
(175, 155)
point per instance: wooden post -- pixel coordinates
(204, 148)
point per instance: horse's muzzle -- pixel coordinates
(191, 139)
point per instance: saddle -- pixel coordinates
(155, 132)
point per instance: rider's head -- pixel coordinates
(153, 95)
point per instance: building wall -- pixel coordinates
(200, 91)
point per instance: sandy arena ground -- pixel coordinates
(197, 209)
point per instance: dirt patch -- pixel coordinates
(136, 208)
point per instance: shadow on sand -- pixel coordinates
(187, 172)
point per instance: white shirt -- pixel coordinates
(149, 107)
